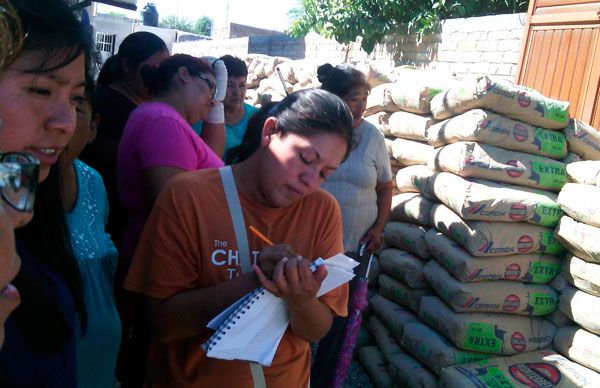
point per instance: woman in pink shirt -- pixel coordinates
(157, 144)
(158, 141)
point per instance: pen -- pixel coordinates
(258, 234)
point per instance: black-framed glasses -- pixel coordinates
(211, 85)
(19, 174)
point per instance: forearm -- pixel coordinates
(384, 204)
(186, 314)
(310, 320)
(214, 136)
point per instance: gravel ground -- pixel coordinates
(357, 376)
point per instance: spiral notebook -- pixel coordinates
(251, 328)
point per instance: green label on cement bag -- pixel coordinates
(548, 175)
(549, 244)
(482, 337)
(555, 111)
(493, 377)
(467, 357)
(550, 142)
(547, 215)
(542, 302)
(544, 272)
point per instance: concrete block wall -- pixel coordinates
(464, 47)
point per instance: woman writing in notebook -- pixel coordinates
(191, 231)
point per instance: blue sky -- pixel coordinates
(270, 14)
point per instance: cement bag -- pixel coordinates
(386, 343)
(393, 316)
(416, 87)
(579, 345)
(526, 268)
(409, 125)
(484, 161)
(571, 158)
(371, 359)
(409, 153)
(504, 97)
(535, 369)
(583, 139)
(586, 172)
(373, 75)
(364, 338)
(559, 319)
(408, 372)
(400, 293)
(581, 202)
(498, 297)
(580, 239)
(485, 332)
(583, 275)
(412, 208)
(434, 350)
(491, 201)
(582, 308)
(380, 121)
(380, 100)
(404, 267)
(407, 237)
(490, 128)
(415, 179)
(373, 272)
(482, 238)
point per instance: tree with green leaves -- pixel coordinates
(150, 15)
(203, 26)
(372, 20)
(177, 23)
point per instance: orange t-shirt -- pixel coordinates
(189, 243)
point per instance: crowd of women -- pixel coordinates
(118, 232)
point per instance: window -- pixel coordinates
(105, 42)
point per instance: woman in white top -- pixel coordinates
(362, 186)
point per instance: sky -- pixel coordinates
(269, 14)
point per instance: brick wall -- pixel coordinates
(482, 45)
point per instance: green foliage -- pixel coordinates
(346, 20)
(203, 26)
(177, 23)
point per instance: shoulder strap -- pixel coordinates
(237, 217)
(239, 227)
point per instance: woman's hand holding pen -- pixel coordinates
(293, 280)
(271, 255)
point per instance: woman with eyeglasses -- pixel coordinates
(157, 144)
(39, 92)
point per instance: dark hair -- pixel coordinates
(90, 94)
(235, 66)
(305, 113)
(158, 79)
(47, 238)
(11, 35)
(136, 48)
(51, 27)
(341, 80)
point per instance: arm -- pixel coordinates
(155, 179)
(310, 319)
(186, 314)
(384, 204)
(214, 136)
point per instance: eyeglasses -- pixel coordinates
(211, 85)
(19, 174)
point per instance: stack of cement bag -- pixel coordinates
(579, 231)
(401, 111)
(489, 305)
